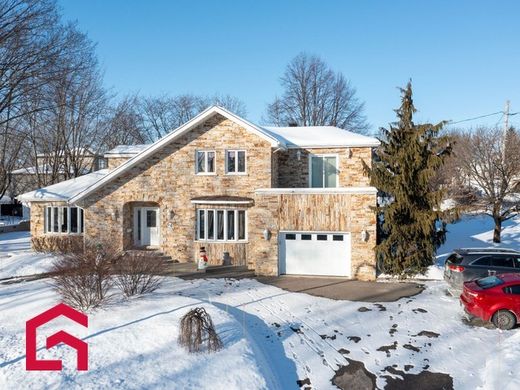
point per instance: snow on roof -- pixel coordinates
(320, 136)
(64, 190)
(5, 199)
(126, 150)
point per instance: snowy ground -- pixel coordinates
(273, 338)
(17, 258)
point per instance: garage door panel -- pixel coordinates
(315, 257)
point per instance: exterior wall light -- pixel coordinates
(298, 155)
(364, 236)
(172, 215)
(267, 234)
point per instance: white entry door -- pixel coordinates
(146, 226)
(313, 253)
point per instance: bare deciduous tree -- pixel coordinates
(315, 95)
(489, 171)
(162, 114)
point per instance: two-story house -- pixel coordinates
(281, 200)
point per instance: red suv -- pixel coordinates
(494, 298)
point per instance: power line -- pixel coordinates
(484, 116)
(476, 117)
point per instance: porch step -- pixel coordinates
(213, 269)
(151, 252)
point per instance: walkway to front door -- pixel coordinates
(146, 226)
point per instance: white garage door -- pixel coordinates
(311, 253)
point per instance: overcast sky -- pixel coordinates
(462, 56)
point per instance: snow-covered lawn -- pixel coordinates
(273, 338)
(17, 258)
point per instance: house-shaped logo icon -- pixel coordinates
(81, 347)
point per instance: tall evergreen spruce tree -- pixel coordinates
(411, 222)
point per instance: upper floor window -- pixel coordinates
(102, 163)
(205, 161)
(235, 161)
(323, 171)
(64, 220)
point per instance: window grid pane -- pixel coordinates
(241, 166)
(231, 157)
(200, 162)
(241, 225)
(230, 225)
(210, 162)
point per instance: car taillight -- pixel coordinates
(456, 268)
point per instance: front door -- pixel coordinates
(146, 226)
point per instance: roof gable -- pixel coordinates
(180, 131)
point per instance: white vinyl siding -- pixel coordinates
(64, 220)
(221, 225)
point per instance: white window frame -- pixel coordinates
(235, 151)
(215, 225)
(205, 172)
(311, 156)
(80, 220)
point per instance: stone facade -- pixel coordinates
(314, 212)
(168, 180)
(293, 166)
(114, 162)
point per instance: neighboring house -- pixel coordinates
(281, 200)
(53, 164)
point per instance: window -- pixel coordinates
(323, 171)
(205, 161)
(102, 163)
(235, 161)
(64, 220)
(337, 237)
(306, 237)
(489, 282)
(321, 237)
(290, 236)
(502, 261)
(221, 225)
(514, 289)
(484, 261)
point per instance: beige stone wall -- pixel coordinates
(114, 162)
(294, 172)
(168, 179)
(314, 212)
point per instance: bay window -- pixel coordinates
(323, 171)
(64, 220)
(221, 225)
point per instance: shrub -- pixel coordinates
(84, 279)
(138, 274)
(57, 244)
(197, 331)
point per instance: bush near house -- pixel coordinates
(58, 244)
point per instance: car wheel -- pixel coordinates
(504, 319)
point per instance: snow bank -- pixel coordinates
(17, 259)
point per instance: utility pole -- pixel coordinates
(506, 128)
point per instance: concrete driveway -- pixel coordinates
(345, 289)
